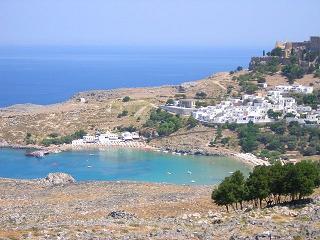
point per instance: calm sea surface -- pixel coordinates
(45, 75)
(120, 164)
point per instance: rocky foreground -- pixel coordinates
(59, 208)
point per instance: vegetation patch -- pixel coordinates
(269, 183)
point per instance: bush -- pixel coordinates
(292, 72)
(126, 99)
(170, 101)
(239, 68)
(192, 122)
(123, 114)
(28, 139)
(164, 122)
(200, 104)
(248, 137)
(276, 52)
(274, 115)
(249, 88)
(225, 140)
(201, 95)
(64, 139)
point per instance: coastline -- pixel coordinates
(245, 158)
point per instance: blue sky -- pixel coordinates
(224, 23)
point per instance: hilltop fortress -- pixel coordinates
(307, 53)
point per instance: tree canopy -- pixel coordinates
(273, 183)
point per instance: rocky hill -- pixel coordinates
(100, 111)
(57, 208)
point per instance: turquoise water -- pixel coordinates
(45, 75)
(120, 164)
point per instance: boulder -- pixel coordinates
(121, 215)
(58, 179)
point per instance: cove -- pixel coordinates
(121, 164)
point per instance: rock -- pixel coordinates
(121, 215)
(17, 218)
(184, 217)
(196, 215)
(58, 179)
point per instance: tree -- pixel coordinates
(126, 99)
(239, 68)
(292, 72)
(274, 115)
(229, 89)
(238, 187)
(170, 101)
(223, 195)
(201, 95)
(269, 183)
(258, 184)
(300, 179)
(28, 139)
(225, 140)
(276, 52)
(277, 173)
(278, 127)
(249, 88)
(248, 137)
(200, 104)
(123, 114)
(192, 122)
(317, 73)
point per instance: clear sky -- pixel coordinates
(217, 23)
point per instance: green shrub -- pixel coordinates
(126, 99)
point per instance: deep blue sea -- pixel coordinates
(45, 75)
(121, 164)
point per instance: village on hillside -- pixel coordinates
(257, 109)
(271, 103)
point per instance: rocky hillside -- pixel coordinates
(100, 111)
(57, 208)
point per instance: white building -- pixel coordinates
(77, 142)
(126, 136)
(294, 88)
(252, 108)
(135, 136)
(108, 137)
(89, 139)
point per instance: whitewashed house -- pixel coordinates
(89, 139)
(126, 136)
(135, 136)
(77, 142)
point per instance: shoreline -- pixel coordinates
(245, 158)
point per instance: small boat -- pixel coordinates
(169, 173)
(189, 172)
(231, 172)
(91, 154)
(193, 181)
(89, 166)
